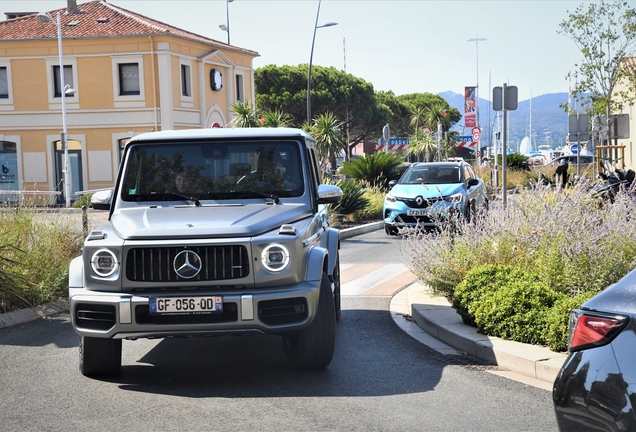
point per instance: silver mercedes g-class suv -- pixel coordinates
(211, 232)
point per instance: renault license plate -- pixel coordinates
(417, 212)
(186, 305)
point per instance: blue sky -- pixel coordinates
(403, 46)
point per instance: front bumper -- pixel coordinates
(396, 214)
(259, 311)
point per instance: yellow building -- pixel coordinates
(630, 110)
(125, 74)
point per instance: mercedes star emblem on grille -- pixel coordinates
(187, 264)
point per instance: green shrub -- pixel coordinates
(515, 161)
(374, 169)
(84, 200)
(352, 199)
(42, 247)
(558, 320)
(373, 210)
(506, 302)
(11, 293)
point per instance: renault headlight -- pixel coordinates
(455, 198)
(275, 257)
(390, 198)
(104, 263)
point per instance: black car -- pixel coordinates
(585, 160)
(596, 387)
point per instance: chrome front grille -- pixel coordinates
(157, 264)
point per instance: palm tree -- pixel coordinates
(437, 113)
(418, 118)
(276, 118)
(330, 141)
(425, 145)
(246, 116)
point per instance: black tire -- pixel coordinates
(313, 347)
(336, 287)
(389, 230)
(99, 356)
(468, 212)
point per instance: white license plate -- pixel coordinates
(185, 305)
(417, 212)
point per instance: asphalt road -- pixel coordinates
(380, 379)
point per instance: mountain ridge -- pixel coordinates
(549, 120)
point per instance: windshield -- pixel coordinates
(432, 175)
(212, 170)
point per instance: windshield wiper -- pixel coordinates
(246, 194)
(165, 196)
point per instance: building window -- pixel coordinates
(68, 80)
(186, 86)
(4, 83)
(129, 79)
(240, 95)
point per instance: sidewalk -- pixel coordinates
(434, 322)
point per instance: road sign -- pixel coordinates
(427, 129)
(578, 127)
(505, 98)
(574, 148)
(477, 153)
(476, 132)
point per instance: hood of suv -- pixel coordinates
(206, 221)
(426, 191)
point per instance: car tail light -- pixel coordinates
(588, 330)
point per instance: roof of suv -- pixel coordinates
(223, 133)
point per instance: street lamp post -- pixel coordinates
(45, 17)
(311, 57)
(226, 27)
(477, 40)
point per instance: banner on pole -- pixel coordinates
(470, 114)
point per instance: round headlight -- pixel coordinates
(104, 262)
(275, 257)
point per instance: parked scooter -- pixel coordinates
(611, 180)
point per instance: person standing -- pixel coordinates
(561, 173)
(485, 164)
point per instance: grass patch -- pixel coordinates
(38, 248)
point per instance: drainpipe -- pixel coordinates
(154, 81)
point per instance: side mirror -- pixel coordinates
(101, 199)
(329, 194)
(472, 182)
(392, 183)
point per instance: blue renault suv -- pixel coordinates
(432, 193)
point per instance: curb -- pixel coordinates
(435, 316)
(362, 229)
(31, 314)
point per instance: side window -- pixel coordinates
(186, 89)
(315, 174)
(468, 172)
(68, 80)
(240, 95)
(129, 79)
(4, 83)
(122, 143)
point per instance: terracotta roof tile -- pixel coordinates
(100, 19)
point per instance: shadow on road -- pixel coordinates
(373, 357)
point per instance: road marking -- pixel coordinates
(374, 279)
